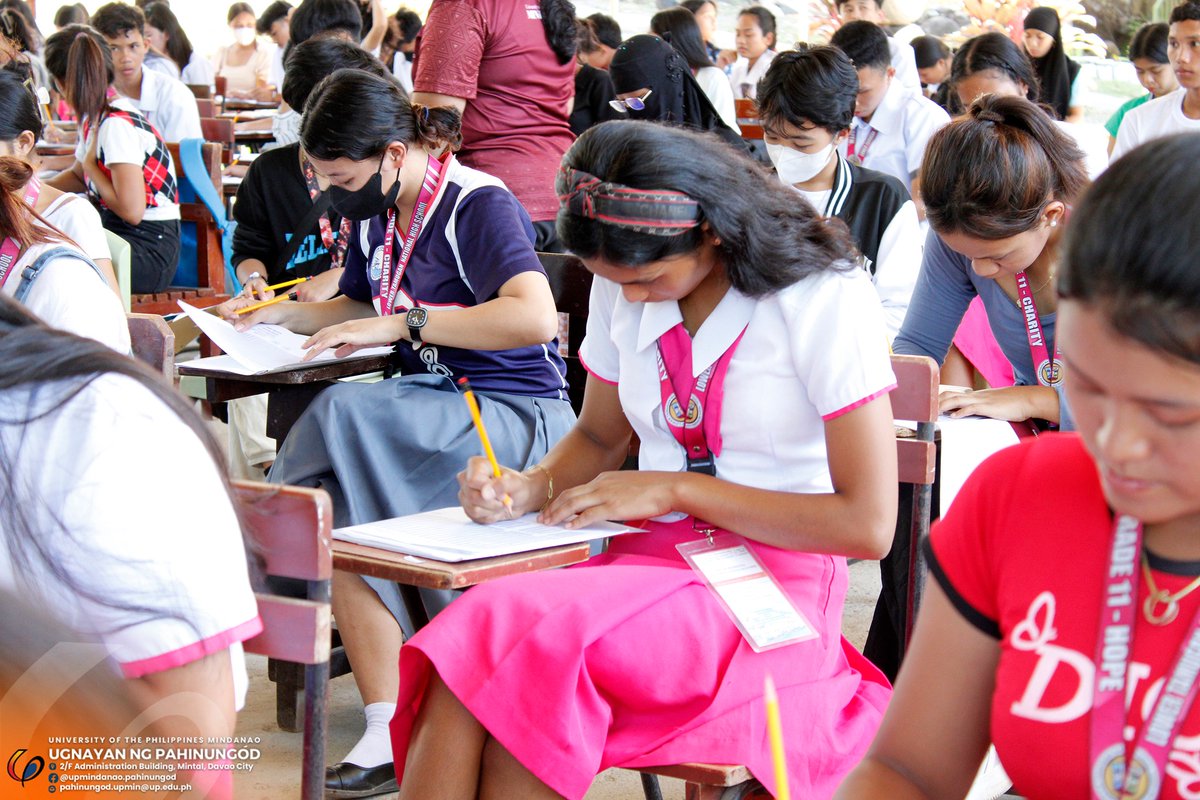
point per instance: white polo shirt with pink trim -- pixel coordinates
(811, 352)
(125, 501)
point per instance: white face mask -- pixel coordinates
(795, 167)
(244, 35)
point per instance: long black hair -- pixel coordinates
(1120, 255)
(353, 114)
(79, 59)
(1150, 42)
(558, 21)
(767, 240)
(18, 107)
(991, 172)
(678, 27)
(179, 47)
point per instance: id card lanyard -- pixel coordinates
(389, 285)
(337, 254)
(1049, 372)
(861, 155)
(10, 249)
(696, 426)
(1135, 770)
(741, 584)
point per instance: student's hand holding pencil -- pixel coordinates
(482, 494)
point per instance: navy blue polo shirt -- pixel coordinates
(475, 239)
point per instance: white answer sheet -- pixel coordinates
(447, 534)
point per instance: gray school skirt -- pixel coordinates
(395, 447)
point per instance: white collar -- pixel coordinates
(716, 335)
(888, 116)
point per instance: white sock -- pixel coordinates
(375, 746)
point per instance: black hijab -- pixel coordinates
(647, 62)
(1055, 71)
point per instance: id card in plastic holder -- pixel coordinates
(748, 592)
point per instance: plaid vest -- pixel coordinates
(156, 165)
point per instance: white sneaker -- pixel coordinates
(991, 781)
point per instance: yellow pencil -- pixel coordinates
(265, 303)
(286, 284)
(775, 732)
(473, 407)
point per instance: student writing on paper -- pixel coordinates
(1067, 639)
(528, 686)
(92, 528)
(440, 260)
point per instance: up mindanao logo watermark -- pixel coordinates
(33, 767)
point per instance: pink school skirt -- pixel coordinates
(628, 660)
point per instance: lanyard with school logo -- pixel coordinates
(337, 255)
(696, 426)
(11, 248)
(860, 156)
(1134, 770)
(389, 285)
(1049, 371)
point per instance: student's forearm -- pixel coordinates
(128, 205)
(379, 25)
(499, 324)
(872, 779)
(69, 180)
(308, 318)
(250, 266)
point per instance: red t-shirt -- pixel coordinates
(1022, 554)
(495, 54)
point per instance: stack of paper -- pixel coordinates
(449, 535)
(260, 349)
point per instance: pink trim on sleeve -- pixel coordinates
(194, 651)
(856, 404)
(593, 372)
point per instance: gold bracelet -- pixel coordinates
(549, 488)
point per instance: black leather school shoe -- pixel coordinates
(346, 780)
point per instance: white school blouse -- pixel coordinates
(811, 352)
(71, 296)
(90, 477)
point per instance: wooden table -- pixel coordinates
(241, 104)
(289, 392)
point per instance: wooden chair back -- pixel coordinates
(210, 260)
(291, 530)
(571, 284)
(916, 398)
(219, 131)
(206, 107)
(747, 117)
(153, 343)
(201, 91)
(221, 84)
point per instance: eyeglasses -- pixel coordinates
(633, 103)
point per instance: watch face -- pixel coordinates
(416, 317)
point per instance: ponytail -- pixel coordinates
(79, 59)
(353, 114)
(437, 127)
(991, 172)
(558, 20)
(18, 220)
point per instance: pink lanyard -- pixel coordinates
(11, 248)
(1121, 770)
(1049, 373)
(388, 289)
(861, 157)
(701, 424)
(337, 254)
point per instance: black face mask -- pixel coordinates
(369, 201)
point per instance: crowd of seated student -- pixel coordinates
(848, 137)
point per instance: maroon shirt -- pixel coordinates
(495, 54)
